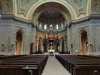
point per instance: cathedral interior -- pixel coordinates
(51, 32)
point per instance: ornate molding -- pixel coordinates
(80, 5)
(6, 7)
(95, 6)
(23, 6)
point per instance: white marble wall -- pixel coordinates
(8, 29)
(5, 37)
(93, 30)
(95, 25)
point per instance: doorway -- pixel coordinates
(19, 39)
(84, 42)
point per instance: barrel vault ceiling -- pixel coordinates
(25, 8)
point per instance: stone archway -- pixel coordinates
(46, 9)
(84, 42)
(53, 16)
(19, 40)
(63, 3)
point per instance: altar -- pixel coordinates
(51, 51)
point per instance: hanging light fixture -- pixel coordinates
(45, 27)
(57, 26)
(40, 25)
(62, 25)
(51, 26)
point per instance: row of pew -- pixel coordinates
(22, 64)
(80, 64)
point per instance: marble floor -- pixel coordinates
(54, 67)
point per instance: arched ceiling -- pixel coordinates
(51, 12)
(26, 8)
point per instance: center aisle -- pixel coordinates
(53, 67)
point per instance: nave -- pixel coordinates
(41, 64)
(54, 67)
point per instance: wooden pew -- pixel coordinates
(80, 65)
(23, 65)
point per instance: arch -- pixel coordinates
(64, 3)
(47, 8)
(84, 42)
(19, 40)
